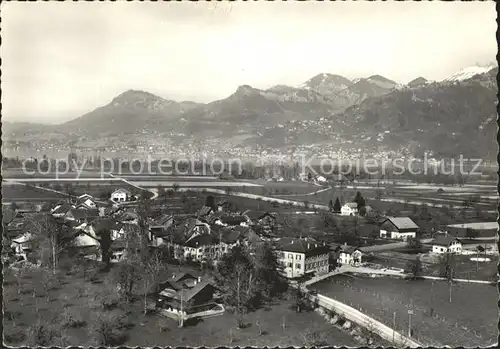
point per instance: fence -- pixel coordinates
(365, 321)
(456, 330)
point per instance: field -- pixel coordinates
(410, 194)
(70, 305)
(464, 268)
(469, 320)
(191, 200)
(21, 174)
(19, 192)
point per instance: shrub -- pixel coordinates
(108, 330)
(72, 318)
(43, 335)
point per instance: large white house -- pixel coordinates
(120, 195)
(349, 209)
(398, 228)
(446, 244)
(303, 256)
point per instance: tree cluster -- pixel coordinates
(247, 281)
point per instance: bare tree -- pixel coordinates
(55, 232)
(153, 270)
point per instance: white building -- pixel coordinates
(321, 179)
(303, 256)
(85, 201)
(398, 228)
(348, 255)
(446, 244)
(120, 195)
(22, 245)
(349, 209)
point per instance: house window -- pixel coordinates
(289, 265)
(297, 266)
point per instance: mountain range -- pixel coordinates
(422, 115)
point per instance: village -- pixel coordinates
(226, 259)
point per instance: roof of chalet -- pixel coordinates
(182, 276)
(127, 216)
(163, 219)
(230, 236)
(202, 240)
(308, 246)
(187, 294)
(351, 205)
(204, 211)
(402, 223)
(106, 224)
(344, 248)
(64, 207)
(233, 220)
(444, 240)
(122, 190)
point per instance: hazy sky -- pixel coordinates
(62, 59)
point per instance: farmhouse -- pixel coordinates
(348, 255)
(22, 245)
(158, 230)
(264, 219)
(85, 201)
(61, 209)
(398, 228)
(232, 221)
(201, 248)
(205, 211)
(303, 256)
(121, 195)
(446, 244)
(187, 298)
(349, 209)
(81, 215)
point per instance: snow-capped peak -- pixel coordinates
(469, 72)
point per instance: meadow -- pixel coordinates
(469, 319)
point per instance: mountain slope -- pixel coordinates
(129, 112)
(442, 118)
(250, 109)
(469, 72)
(326, 84)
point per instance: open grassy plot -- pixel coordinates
(464, 268)
(67, 310)
(19, 192)
(27, 174)
(470, 319)
(221, 330)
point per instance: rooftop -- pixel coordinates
(444, 240)
(402, 222)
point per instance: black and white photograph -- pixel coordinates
(249, 174)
